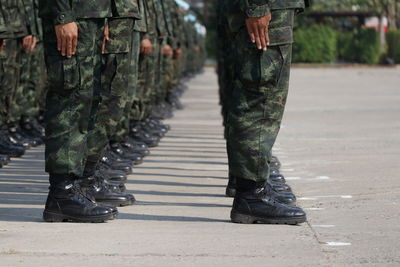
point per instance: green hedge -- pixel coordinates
(322, 44)
(393, 44)
(315, 44)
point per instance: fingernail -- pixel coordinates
(259, 47)
(265, 49)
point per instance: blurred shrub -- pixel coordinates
(393, 44)
(365, 46)
(345, 46)
(315, 44)
(322, 44)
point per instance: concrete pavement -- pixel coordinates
(340, 149)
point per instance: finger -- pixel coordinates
(251, 34)
(74, 44)
(257, 37)
(59, 41)
(267, 35)
(64, 44)
(69, 47)
(263, 40)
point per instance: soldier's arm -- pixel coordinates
(258, 14)
(65, 26)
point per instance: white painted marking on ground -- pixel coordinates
(287, 170)
(337, 244)
(307, 198)
(347, 197)
(323, 225)
(322, 178)
(292, 178)
(313, 209)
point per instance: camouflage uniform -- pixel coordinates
(15, 17)
(147, 67)
(260, 85)
(71, 81)
(136, 111)
(117, 84)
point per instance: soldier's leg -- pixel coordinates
(121, 132)
(257, 104)
(113, 92)
(69, 99)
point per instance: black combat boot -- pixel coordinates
(277, 187)
(16, 134)
(7, 147)
(106, 193)
(166, 127)
(115, 165)
(117, 149)
(277, 178)
(4, 159)
(67, 202)
(116, 175)
(275, 163)
(32, 128)
(137, 134)
(260, 206)
(131, 146)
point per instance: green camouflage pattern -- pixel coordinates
(258, 98)
(71, 85)
(113, 94)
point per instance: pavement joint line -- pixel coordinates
(337, 244)
(327, 196)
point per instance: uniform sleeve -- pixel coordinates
(62, 12)
(255, 8)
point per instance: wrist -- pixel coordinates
(64, 18)
(256, 11)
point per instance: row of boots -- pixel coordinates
(97, 196)
(16, 138)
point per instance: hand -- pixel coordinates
(67, 38)
(197, 48)
(2, 45)
(167, 50)
(29, 43)
(258, 30)
(177, 53)
(146, 47)
(105, 38)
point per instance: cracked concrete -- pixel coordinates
(339, 145)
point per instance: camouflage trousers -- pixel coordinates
(146, 84)
(124, 124)
(31, 84)
(256, 106)
(71, 83)
(10, 80)
(115, 91)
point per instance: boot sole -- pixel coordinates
(237, 217)
(117, 203)
(50, 216)
(230, 192)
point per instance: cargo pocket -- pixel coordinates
(120, 33)
(271, 68)
(63, 74)
(277, 93)
(247, 61)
